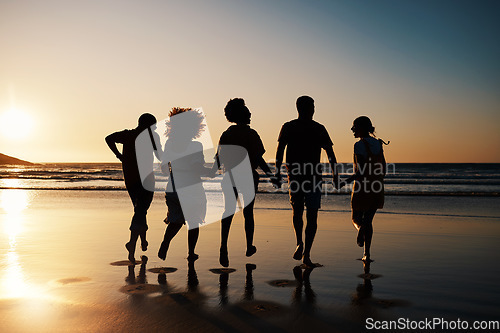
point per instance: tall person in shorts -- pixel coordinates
(141, 197)
(303, 139)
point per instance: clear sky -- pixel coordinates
(426, 72)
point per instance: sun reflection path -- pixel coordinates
(13, 284)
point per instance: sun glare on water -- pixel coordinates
(16, 124)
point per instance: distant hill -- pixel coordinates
(6, 160)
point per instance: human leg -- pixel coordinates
(311, 227)
(130, 246)
(227, 217)
(368, 232)
(170, 232)
(298, 225)
(358, 221)
(142, 202)
(249, 228)
(192, 240)
(224, 235)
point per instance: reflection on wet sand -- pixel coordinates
(363, 298)
(13, 281)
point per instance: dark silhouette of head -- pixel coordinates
(305, 107)
(146, 120)
(185, 123)
(363, 126)
(237, 112)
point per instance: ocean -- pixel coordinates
(456, 179)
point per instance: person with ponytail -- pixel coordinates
(368, 190)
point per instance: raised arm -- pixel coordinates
(111, 140)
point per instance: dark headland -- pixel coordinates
(9, 160)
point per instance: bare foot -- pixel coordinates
(162, 252)
(366, 258)
(251, 251)
(131, 251)
(223, 259)
(297, 255)
(144, 246)
(308, 263)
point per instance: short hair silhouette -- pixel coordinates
(304, 105)
(237, 112)
(146, 120)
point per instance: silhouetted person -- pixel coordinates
(303, 139)
(368, 189)
(141, 197)
(183, 161)
(241, 135)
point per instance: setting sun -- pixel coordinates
(16, 124)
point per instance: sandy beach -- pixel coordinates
(64, 268)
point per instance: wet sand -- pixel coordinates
(63, 267)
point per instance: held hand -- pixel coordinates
(276, 181)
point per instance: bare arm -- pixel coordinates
(111, 141)
(333, 164)
(279, 161)
(263, 165)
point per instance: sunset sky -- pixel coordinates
(426, 72)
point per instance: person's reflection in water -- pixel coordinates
(364, 290)
(223, 282)
(248, 295)
(304, 283)
(132, 280)
(192, 278)
(141, 278)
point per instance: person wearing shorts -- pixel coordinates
(304, 139)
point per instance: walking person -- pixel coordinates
(239, 134)
(368, 189)
(183, 162)
(141, 197)
(303, 139)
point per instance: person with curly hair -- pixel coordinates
(239, 134)
(183, 162)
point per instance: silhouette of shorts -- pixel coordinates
(312, 200)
